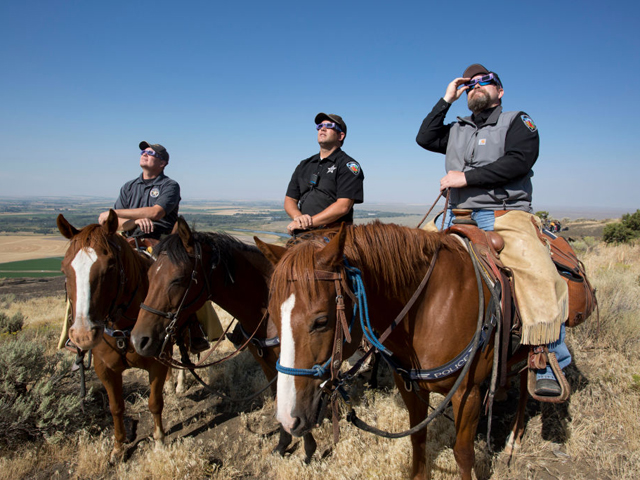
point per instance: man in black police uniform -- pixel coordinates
(147, 209)
(148, 205)
(324, 187)
(489, 160)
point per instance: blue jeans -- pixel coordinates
(485, 220)
(562, 354)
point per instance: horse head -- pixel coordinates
(92, 275)
(308, 290)
(177, 287)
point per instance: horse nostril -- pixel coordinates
(296, 423)
(144, 342)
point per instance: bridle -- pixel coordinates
(175, 325)
(342, 333)
(116, 310)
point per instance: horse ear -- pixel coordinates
(184, 232)
(111, 225)
(272, 252)
(332, 255)
(66, 229)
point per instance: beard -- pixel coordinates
(479, 102)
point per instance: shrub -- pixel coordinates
(32, 404)
(11, 325)
(625, 231)
(618, 233)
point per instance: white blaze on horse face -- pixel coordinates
(286, 386)
(81, 264)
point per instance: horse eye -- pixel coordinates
(177, 282)
(320, 323)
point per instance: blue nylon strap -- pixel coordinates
(355, 276)
(316, 371)
(449, 368)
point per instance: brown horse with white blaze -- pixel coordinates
(106, 282)
(439, 326)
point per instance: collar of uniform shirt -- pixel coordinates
(331, 157)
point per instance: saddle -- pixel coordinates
(582, 296)
(486, 246)
(142, 243)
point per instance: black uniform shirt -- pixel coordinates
(338, 176)
(521, 146)
(162, 191)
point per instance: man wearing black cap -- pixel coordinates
(148, 205)
(324, 187)
(489, 160)
(147, 209)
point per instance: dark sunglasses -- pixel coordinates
(482, 81)
(331, 125)
(151, 153)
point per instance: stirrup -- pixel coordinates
(565, 389)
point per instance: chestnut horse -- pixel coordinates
(106, 281)
(193, 267)
(440, 325)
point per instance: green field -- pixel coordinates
(41, 267)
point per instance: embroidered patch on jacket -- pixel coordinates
(482, 141)
(331, 169)
(354, 167)
(154, 192)
(528, 122)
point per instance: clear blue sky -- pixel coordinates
(232, 88)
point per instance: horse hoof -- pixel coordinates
(280, 450)
(511, 448)
(117, 456)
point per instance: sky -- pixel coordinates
(231, 89)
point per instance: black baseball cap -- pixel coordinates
(334, 118)
(477, 69)
(156, 147)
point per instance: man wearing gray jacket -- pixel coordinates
(489, 160)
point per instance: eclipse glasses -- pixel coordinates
(331, 125)
(487, 79)
(151, 153)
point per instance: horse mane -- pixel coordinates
(222, 246)
(396, 256)
(92, 236)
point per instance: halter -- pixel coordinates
(172, 328)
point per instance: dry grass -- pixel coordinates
(37, 311)
(595, 436)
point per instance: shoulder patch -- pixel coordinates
(528, 122)
(354, 167)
